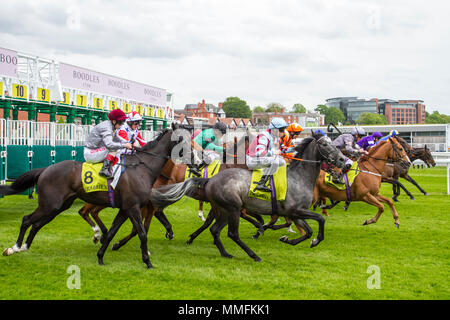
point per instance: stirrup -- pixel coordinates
(106, 170)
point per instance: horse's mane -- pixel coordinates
(153, 143)
(377, 146)
(301, 147)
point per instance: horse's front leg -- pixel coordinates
(134, 213)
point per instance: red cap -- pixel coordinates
(117, 115)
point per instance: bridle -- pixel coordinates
(397, 154)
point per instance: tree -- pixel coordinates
(436, 117)
(371, 118)
(274, 106)
(334, 115)
(258, 109)
(322, 109)
(236, 108)
(298, 108)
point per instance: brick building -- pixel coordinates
(303, 119)
(395, 111)
(202, 110)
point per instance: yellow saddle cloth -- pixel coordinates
(92, 181)
(280, 182)
(211, 171)
(351, 175)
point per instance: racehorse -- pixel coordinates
(394, 171)
(60, 184)
(367, 183)
(171, 173)
(228, 194)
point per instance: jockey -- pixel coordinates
(392, 133)
(129, 132)
(102, 144)
(263, 153)
(347, 142)
(208, 142)
(286, 141)
(369, 141)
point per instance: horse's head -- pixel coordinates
(424, 154)
(328, 151)
(398, 153)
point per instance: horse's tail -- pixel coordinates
(22, 183)
(167, 195)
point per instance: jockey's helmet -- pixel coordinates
(278, 123)
(222, 127)
(295, 128)
(393, 133)
(358, 131)
(117, 115)
(377, 134)
(134, 117)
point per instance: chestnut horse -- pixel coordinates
(367, 183)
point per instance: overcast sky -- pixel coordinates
(287, 51)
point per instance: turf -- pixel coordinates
(413, 260)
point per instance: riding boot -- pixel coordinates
(106, 170)
(338, 179)
(196, 170)
(261, 185)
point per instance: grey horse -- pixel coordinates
(228, 194)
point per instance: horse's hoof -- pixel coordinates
(226, 255)
(314, 243)
(100, 262)
(255, 237)
(284, 239)
(95, 239)
(412, 198)
(189, 242)
(397, 225)
(8, 252)
(425, 194)
(365, 223)
(257, 259)
(169, 235)
(149, 265)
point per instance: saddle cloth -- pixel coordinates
(279, 184)
(93, 182)
(207, 172)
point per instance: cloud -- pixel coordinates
(262, 51)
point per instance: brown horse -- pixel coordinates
(60, 184)
(172, 173)
(367, 183)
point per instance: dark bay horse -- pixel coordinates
(395, 171)
(228, 194)
(171, 173)
(60, 184)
